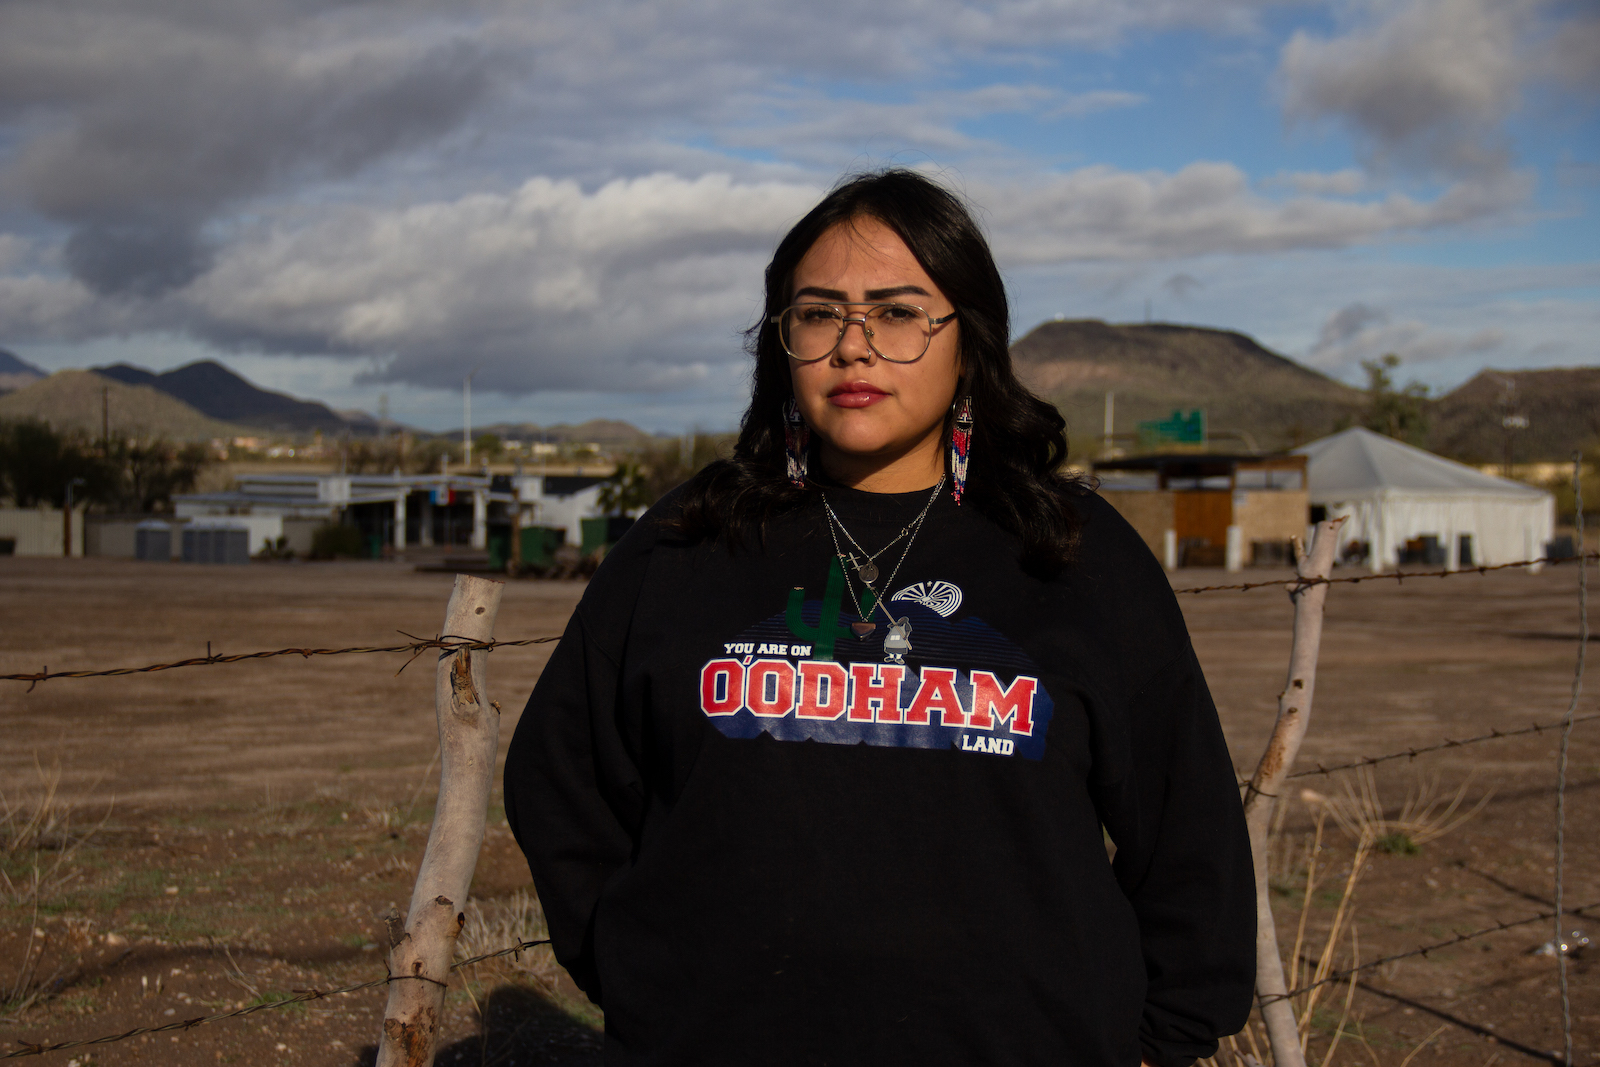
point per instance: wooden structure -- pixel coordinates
(1204, 510)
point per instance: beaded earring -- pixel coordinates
(960, 447)
(796, 443)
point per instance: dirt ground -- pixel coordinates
(224, 836)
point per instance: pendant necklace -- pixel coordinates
(898, 641)
(868, 571)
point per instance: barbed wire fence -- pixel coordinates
(298, 996)
(416, 646)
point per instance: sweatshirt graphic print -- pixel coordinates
(804, 675)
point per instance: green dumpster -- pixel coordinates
(539, 544)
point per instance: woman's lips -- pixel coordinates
(856, 395)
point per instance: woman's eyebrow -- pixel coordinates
(839, 296)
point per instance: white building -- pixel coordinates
(402, 509)
(1390, 493)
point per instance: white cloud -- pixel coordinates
(1413, 341)
(1346, 182)
(1207, 208)
(643, 284)
(1423, 82)
(1429, 84)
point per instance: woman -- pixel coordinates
(824, 766)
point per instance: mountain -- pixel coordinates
(214, 390)
(1253, 397)
(14, 373)
(1561, 405)
(77, 400)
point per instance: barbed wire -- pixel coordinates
(416, 647)
(1295, 584)
(300, 996)
(1339, 976)
(1412, 753)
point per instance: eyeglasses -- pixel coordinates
(899, 333)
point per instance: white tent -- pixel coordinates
(1391, 493)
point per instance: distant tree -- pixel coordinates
(655, 470)
(424, 456)
(1399, 413)
(486, 446)
(627, 490)
(375, 456)
(148, 473)
(37, 463)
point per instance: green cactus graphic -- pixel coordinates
(827, 630)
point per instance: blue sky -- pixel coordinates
(576, 201)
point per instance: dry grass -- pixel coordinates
(1425, 816)
(37, 844)
(495, 924)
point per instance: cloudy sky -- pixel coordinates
(575, 201)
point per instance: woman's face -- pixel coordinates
(880, 425)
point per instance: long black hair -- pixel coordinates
(1019, 441)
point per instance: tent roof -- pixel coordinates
(1359, 463)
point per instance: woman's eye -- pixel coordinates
(818, 316)
(899, 313)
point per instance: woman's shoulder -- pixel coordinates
(617, 583)
(1112, 557)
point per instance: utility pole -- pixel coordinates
(1510, 422)
(466, 420)
(105, 419)
(1111, 416)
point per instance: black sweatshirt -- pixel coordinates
(758, 841)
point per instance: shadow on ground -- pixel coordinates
(522, 1027)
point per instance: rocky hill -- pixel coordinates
(15, 374)
(1561, 406)
(71, 400)
(1264, 400)
(214, 390)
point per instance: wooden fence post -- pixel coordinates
(1294, 715)
(469, 734)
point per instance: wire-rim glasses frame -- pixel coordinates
(876, 311)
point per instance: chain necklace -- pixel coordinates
(868, 571)
(897, 643)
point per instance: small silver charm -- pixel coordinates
(898, 643)
(868, 572)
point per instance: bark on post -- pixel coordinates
(469, 734)
(1294, 714)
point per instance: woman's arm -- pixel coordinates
(573, 793)
(571, 796)
(1183, 859)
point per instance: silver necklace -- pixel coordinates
(898, 641)
(868, 571)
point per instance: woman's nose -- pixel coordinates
(854, 346)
